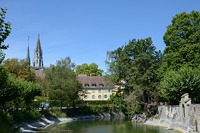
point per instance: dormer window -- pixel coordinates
(101, 85)
(94, 85)
(86, 85)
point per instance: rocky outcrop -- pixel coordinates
(44, 122)
(176, 117)
(184, 117)
(141, 118)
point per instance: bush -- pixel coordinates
(25, 115)
(6, 123)
(176, 83)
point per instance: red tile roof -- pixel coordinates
(90, 80)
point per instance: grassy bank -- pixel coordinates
(7, 119)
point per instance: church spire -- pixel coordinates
(28, 54)
(38, 59)
(38, 47)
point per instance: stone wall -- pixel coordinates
(184, 116)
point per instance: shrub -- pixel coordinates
(6, 123)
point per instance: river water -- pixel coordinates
(104, 126)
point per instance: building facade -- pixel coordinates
(95, 88)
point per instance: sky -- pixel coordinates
(85, 30)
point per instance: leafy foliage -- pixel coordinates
(20, 68)
(5, 28)
(89, 70)
(25, 115)
(61, 82)
(16, 91)
(176, 83)
(66, 63)
(136, 64)
(118, 100)
(9, 90)
(6, 123)
(2, 56)
(182, 42)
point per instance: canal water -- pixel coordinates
(104, 126)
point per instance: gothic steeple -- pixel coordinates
(28, 54)
(38, 59)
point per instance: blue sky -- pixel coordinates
(86, 29)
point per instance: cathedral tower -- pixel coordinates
(38, 59)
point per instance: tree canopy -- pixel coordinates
(89, 70)
(176, 83)
(20, 68)
(61, 82)
(182, 41)
(14, 90)
(179, 69)
(136, 64)
(5, 28)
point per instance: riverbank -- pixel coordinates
(44, 122)
(155, 121)
(32, 127)
(160, 123)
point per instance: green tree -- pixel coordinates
(9, 90)
(118, 100)
(13, 90)
(20, 68)
(182, 42)
(5, 28)
(176, 83)
(90, 70)
(66, 63)
(2, 56)
(136, 64)
(61, 82)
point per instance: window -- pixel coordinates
(101, 85)
(99, 90)
(105, 96)
(94, 85)
(99, 96)
(86, 97)
(110, 90)
(86, 85)
(93, 96)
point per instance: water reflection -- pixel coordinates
(105, 126)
